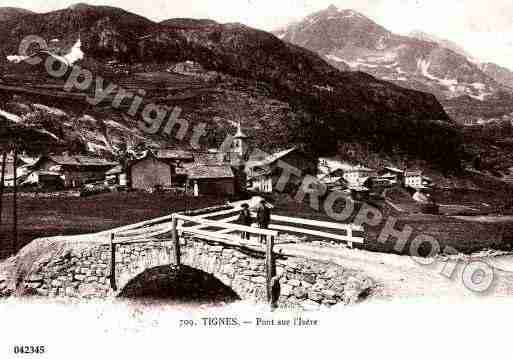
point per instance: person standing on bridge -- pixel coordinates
(263, 217)
(245, 220)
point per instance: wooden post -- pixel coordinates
(15, 202)
(349, 231)
(176, 241)
(270, 269)
(113, 263)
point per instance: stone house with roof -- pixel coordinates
(413, 179)
(357, 175)
(22, 163)
(211, 180)
(150, 172)
(72, 170)
(264, 173)
(161, 168)
(116, 176)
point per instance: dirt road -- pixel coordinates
(401, 277)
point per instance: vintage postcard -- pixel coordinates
(253, 177)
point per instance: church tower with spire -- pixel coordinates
(240, 146)
(239, 153)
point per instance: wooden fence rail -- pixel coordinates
(349, 236)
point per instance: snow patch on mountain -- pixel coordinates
(75, 54)
(474, 61)
(381, 45)
(46, 132)
(50, 110)
(476, 90)
(334, 58)
(423, 67)
(10, 116)
(362, 63)
(16, 58)
(390, 66)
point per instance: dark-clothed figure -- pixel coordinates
(263, 218)
(245, 220)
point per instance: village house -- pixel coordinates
(356, 176)
(72, 170)
(413, 179)
(262, 180)
(360, 193)
(264, 173)
(333, 181)
(331, 169)
(389, 176)
(208, 172)
(327, 165)
(235, 157)
(162, 168)
(150, 172)
(179, 159)
(116, 176)
(22, 162)
(210, 180)
(188, 67)
(393, 174)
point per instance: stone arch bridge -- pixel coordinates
(86, 267)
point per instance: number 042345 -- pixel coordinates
(29, 349)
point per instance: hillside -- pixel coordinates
(257, 67)
(498, 73)
(12, 13)
(448, 44)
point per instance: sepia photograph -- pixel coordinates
(303, 178)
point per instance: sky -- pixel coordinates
(483, 28)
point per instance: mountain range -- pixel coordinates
(500, 74)
(298, 87)
(348, 39)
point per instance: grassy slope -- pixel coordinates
(46, 217)
(462, 235)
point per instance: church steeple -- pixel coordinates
(240, 134)
(240, 146)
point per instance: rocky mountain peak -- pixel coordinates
(80, 6)
(346, 38)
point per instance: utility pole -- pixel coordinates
(2, 179)
(15, 204)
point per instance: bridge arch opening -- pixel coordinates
(186, 285)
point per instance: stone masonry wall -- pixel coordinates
(75, 272)
(85, 272)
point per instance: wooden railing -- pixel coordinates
(349, 228)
